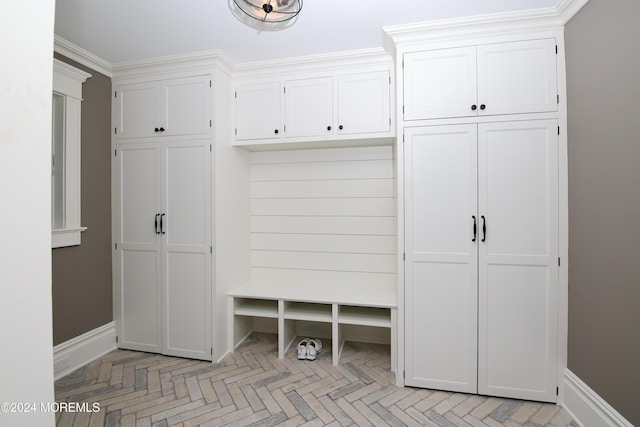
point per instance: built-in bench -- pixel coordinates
(373, 305)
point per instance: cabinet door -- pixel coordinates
(309, 107)
(186, 274)
(137, 109)
(517, 77)
(441, 257)
(440, 83)
(186, 106)
(137, 258)
(258, 111)
(518, 259)
(363, 103)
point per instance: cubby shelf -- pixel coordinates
(377, 307)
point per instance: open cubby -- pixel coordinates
(330, 304)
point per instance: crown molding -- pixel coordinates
(82, 56)
(482, 25)
(315, 63)
(567, 9)
(189, 62)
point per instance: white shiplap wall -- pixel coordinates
(323, 216)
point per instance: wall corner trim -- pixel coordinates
(586, 407)
(77, 352)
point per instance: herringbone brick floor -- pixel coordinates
(252, 387)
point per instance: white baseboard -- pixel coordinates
(77, 352)
(586, 407)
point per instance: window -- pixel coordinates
(65, 155)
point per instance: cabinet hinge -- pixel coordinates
(389, 121)
(389, 79)
(557, 390)
(404, 374)
(556, 49)
(404, 256)
(236, 131)
(558, 98)
(210, 147)
(285, 128)
(558, 261)
(403, 109)
(235, 94)
(115, 153)
(284, 89)
(116, 245)
(209, 83)
(116, 339)
(558, 130)
(403, 63)
(210, 123)
(210, 249)
(115, 94)
(211, 351)
(115, 131)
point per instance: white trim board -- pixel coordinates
(586, 407)
(77, 352)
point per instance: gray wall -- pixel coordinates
(603, 79)
(81, 275)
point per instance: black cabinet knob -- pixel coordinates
(276, 131)
(328, 127)
(340, 127)
(161, 129)
(473, 107)
(482, 106)
(156, 130)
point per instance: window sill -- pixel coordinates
(63, 237)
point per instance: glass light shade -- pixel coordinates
(269, 15)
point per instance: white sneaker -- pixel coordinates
(314, 347)
(302, 348)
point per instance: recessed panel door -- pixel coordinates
(186, 237)
(187, 105)
(517, 77)
(137, 109)
(363, 103)
(137, 260)
(441, 226)
(440, 83)
(518, 259)
(309, 107)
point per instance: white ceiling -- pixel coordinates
(126, 30)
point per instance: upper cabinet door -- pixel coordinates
(258, 111)
(493, 79)
(137, 109)
(180, 106)
(517, 77)
(440, 83)
(187, 106)
(309, 107)
(363, 103)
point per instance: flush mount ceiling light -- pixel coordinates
(270, 15)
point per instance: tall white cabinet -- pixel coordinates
(479, 214)
(162, 223)
(481, 263)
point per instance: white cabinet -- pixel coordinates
(179, 106)
(258, 111)
(481, 270)
(364, 103)
(308, 107)
(338, 106)
(500, 78)
(162, 258)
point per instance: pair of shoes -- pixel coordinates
(309, 348)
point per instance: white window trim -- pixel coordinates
(67, 81)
